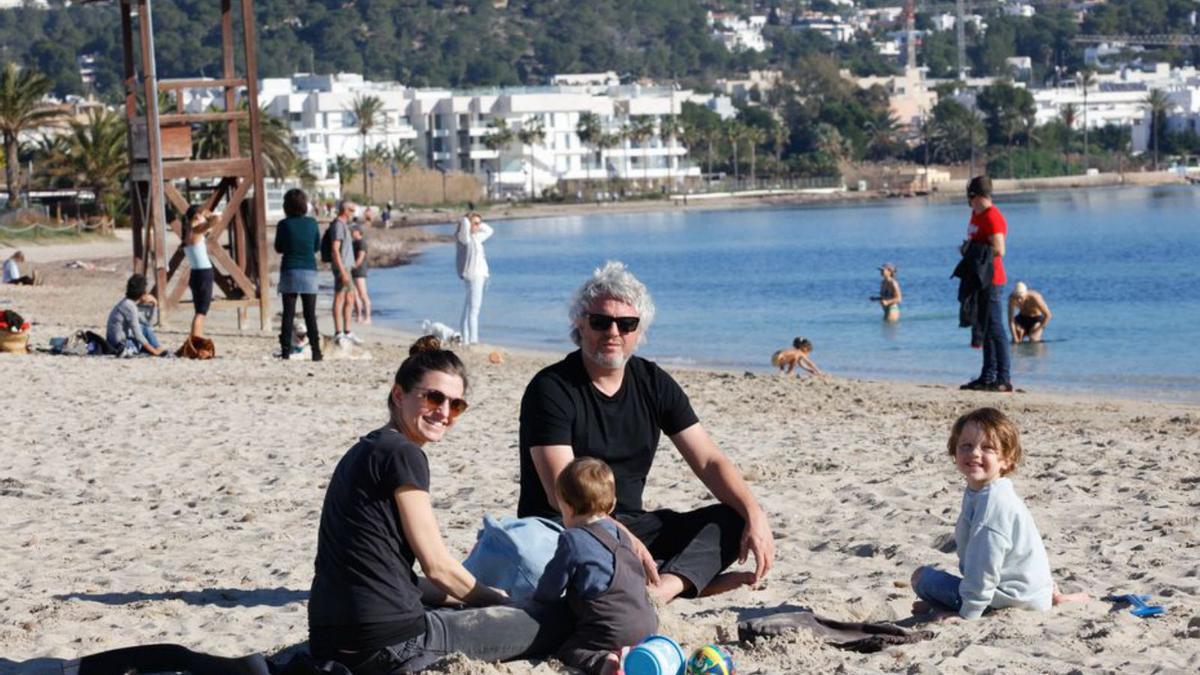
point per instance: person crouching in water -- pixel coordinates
(788, 359)
(595, 565)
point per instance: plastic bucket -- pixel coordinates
(656, 655)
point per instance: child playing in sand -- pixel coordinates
(595, 565)
(788, 359)
(1000, 552)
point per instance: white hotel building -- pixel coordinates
(446, 129)
(1120, 99)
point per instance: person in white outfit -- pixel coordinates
(1000, 553)
(473, 270)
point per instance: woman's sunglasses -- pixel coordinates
(434, 399)
(625, 324)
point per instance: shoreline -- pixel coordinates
(151, 501)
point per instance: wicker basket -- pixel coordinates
(14, 343)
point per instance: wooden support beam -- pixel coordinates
(259, 217)
(196, 118)
(200, 83)
(209, 168)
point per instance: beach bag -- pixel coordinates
(327, 244)
(197, 348)
(511, 553)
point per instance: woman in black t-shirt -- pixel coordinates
(366, 608)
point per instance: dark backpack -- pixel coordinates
(327, 243)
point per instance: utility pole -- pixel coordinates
(960, 35)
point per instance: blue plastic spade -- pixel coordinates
(1140, 605)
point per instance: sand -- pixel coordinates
(171, 501)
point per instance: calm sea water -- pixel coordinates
(1119, 268)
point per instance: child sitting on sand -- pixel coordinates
(1000, 551)
(788, 359)
(595, 565)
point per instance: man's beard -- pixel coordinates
(604, 361)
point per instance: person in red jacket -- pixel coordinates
(988, 225)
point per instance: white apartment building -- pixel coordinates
(829, 25)
(448, 129)
(1120, 99)
(736, 33)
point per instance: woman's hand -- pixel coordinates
(487, 596)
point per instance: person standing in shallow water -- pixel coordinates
(987, 225)
(889, 297)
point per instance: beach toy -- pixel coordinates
(710, 660)
(1141, 607)
(656, 655)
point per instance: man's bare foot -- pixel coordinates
(723, 583)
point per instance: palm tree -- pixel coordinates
(344, 167)
(641, 129)
(51, 153)
(1068, 114)
(98, 153)
(712, 136)
(1087, 78)
(606, 141)
(588, 131)
(401, 158)
(1157, 102)
(366, 111)
(883, 129)
(669, 129)
(779, 139)
(532, 133)
(211, 140)
(831, 142)
(498, 138)
(303, 170)
(755, 136)
(21, 108)
(735, 131)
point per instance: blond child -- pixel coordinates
(788, 360)
(597, 570)
(1000, 553)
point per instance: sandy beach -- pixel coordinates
(152, 500)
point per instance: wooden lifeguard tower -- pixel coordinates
(165, 176)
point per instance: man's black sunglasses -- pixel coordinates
(625, 324)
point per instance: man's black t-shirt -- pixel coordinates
(364, 590)
(562, 407)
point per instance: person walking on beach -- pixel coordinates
(362, 300)
(889, 293)
(602, 401)
(987, 226)
(342, 261)
(12, 273)
(1028, 314)
(473, 270)
(367, 608)
(298, 238)
(197, 223)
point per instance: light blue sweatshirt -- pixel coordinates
(1000, 552)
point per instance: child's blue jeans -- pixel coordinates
(938, 588)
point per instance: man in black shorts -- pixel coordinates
(1028, 314)
(602, 401)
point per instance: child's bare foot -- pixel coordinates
(723, 583)
(1057, 597)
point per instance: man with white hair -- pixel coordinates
(1028, 314)
(342, 263)
(602, 401)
